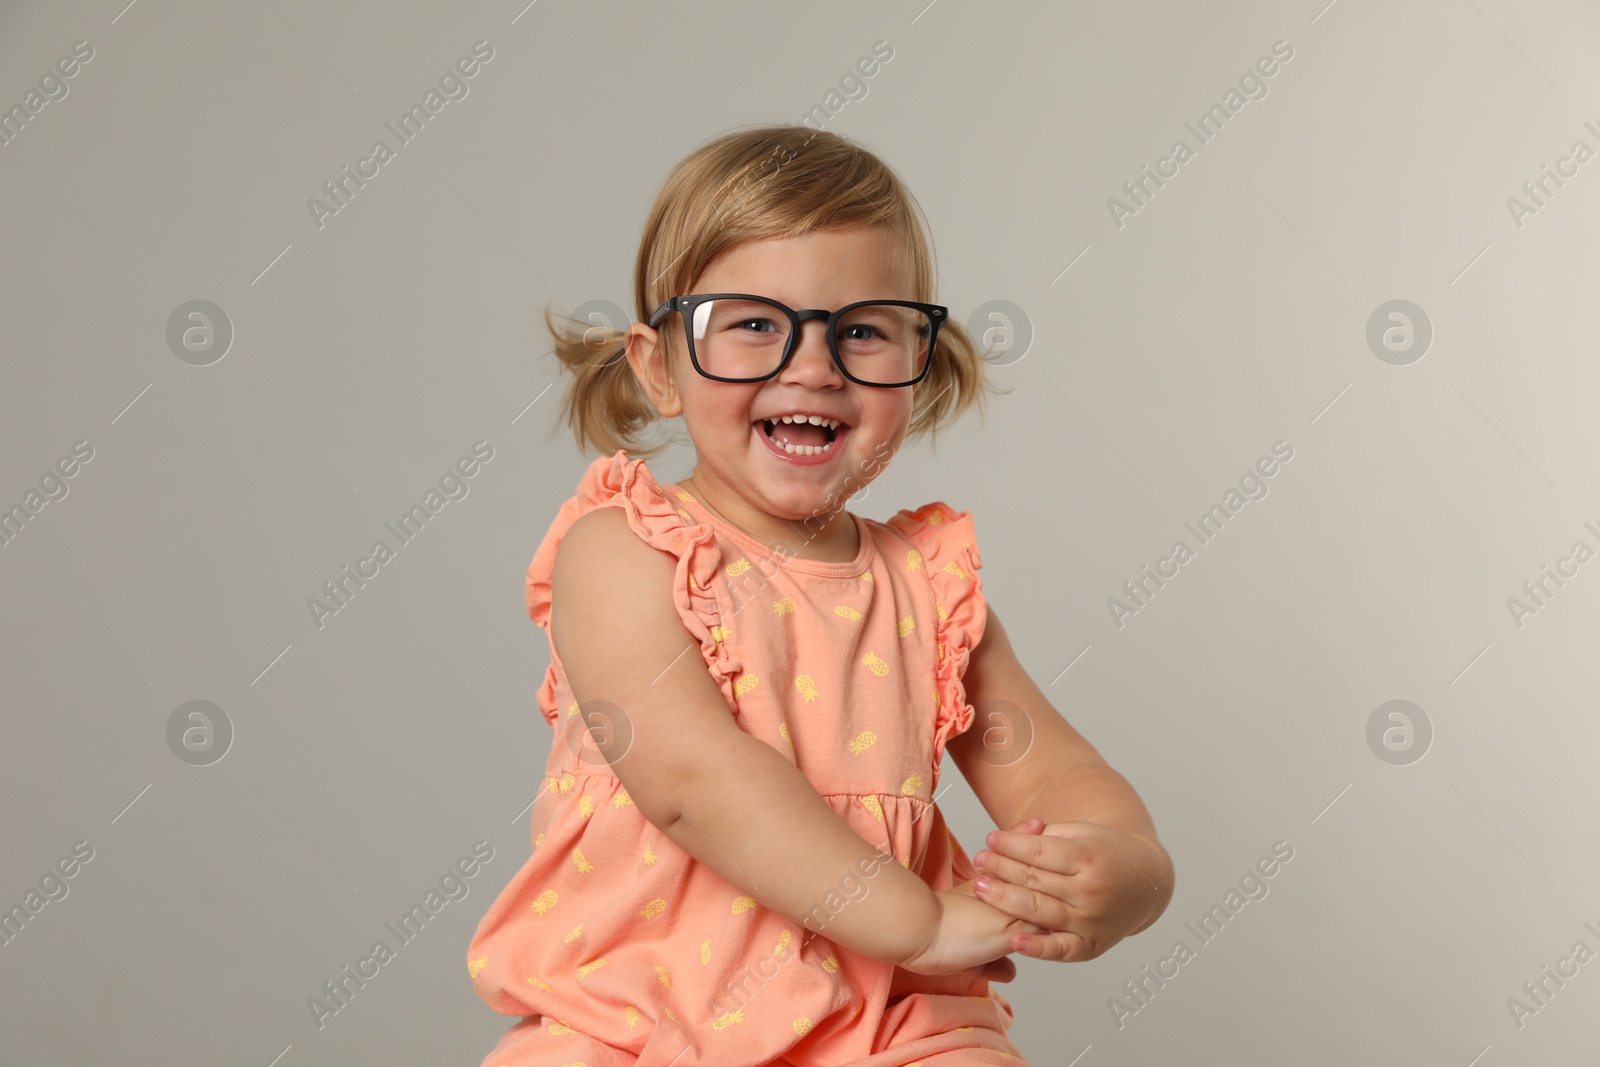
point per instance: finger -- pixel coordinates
(1034, 825)
(1065, 855)
(1000, 970)
(1046, 909)
(1059, 947)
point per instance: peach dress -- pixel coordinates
(618, 947)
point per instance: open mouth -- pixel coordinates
(799, 436)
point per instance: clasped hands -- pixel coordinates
(1087, 885)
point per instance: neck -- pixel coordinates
(823, 537)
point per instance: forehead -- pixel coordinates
(826, 266)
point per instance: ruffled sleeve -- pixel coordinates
(617, 481)
(948, 547)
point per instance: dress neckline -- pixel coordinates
(820, 568)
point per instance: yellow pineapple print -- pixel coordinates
(783, 607)
(743, 904)
(683, 494)
(783, 729)
(955, 568)
(727, 1019)
(737, 567)
(944, 616)
(745, 683)
(807, 687)
(937, 518)
(559, 1027)
(583, 865)
(474, 966)
(564, 783)
(671, 1016)
(583, 972)
(573, 710)
(905, 626)
(705, 952)
(845, 611)
(654, 908)
(586, 805)
(649, 855)
(684, 515)
(538, 840)
(914, 560)
(864, 740)
(802, 1026)
(831, 964)
(664, 975)
(876, 664)
(573, 934)
(540, 984)
(545, 902)
(621, 798)
(866, 576)
(632, 1015)
(872, 804)
(719, 633)
(910, 786)
(783, 943)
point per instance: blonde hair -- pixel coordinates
(755, 183)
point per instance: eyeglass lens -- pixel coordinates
(880, 343)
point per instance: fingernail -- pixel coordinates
(979, 858)
(981, 885)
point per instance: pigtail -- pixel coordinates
(604, 403)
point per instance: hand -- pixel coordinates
(970, 934)
(1089, 885)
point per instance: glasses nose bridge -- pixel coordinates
(803, 316)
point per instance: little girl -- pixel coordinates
(746, 867)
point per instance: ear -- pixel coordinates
(648, 358)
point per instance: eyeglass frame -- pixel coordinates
(685, 305)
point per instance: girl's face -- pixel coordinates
(752, 480)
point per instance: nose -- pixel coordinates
(811, 364)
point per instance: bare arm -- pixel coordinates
(1062, 778)
(725, 797)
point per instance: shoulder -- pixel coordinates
(940, 536)
(601, 552)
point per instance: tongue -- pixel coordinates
(799, 433)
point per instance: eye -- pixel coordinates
(758, 322)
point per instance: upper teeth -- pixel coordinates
(815, 420)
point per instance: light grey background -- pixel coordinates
(369, 354)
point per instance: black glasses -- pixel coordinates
(736, 337)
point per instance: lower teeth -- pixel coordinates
(799, 450)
